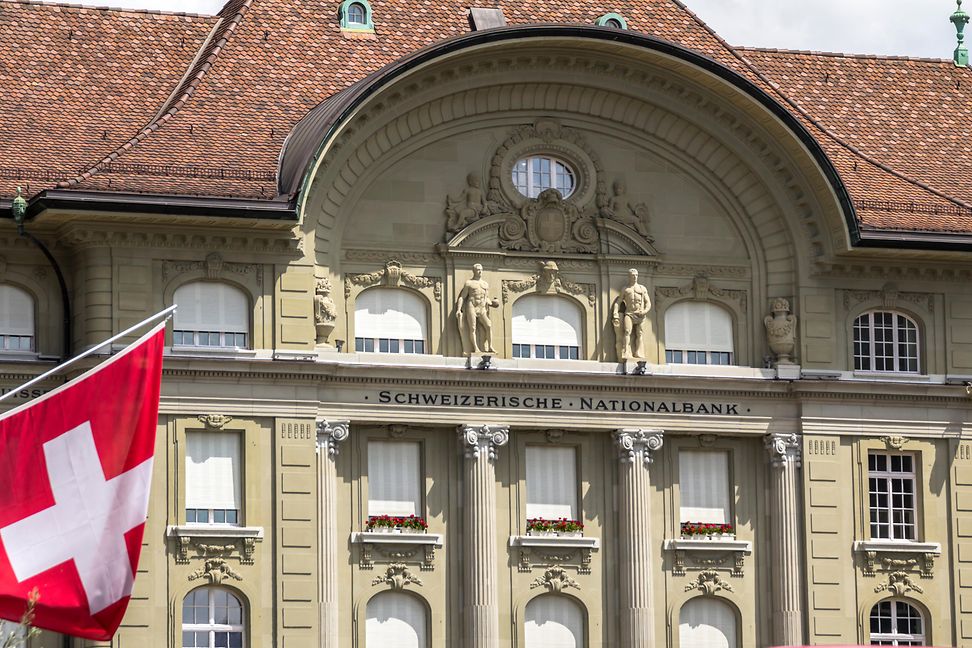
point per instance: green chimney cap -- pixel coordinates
(960, 19)
(19, 207)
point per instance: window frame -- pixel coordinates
(248, 334)
(530, 191)
(896, 358)
(210, 512)
(32, 338)
(895, 638)
(730, 476)
(213, 627)
(422, 475)
(533, 350)
(684, 353)
(887, 476)
(375, 343)
(578, 495)
(344, 15)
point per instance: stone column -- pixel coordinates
(329, 436)
(785, 515)
(634, 535)
(480, 444)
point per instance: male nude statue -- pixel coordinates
(628, 315)
(472, 314)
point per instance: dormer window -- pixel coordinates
(612, 20)
(356, 16)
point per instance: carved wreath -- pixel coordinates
(393, 275)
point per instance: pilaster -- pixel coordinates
(785, 514)
(480, 445)
(636, 447)
(330, 435)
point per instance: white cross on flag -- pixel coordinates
(75, 469)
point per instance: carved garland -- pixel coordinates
(392, 275)
(548, 281)
(702, 290)
(215, 267)
(890, 298)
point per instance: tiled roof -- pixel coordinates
(159, 103)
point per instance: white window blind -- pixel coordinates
(704, 489)
(551, 480)
(395, 482)
(698, 326)
(16, 312)
(213, 470)
(545, 319)
(706, 623)
(211, 306)
(553, 622)
(395, 619)
(391, 313)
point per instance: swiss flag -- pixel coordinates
(75, 469)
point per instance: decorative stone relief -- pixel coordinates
(330, 434)
(392, 275)
(483, 440)
(924, 563)
(244, 548)
(733, 559)
(628, 314)
(702, 290)
(216, 570)
(534, 557)
(325, 312)
(619, 208)
(783, 449)
(709, 581)
(890, 298)
(472, 314)
(215, 421)
(781, 331)
(397, 576)
(895, 442)
(631, 441)
(548, 223)
(467, 207)
(214, 266)
(899, 584)
(548, 281)
(555, 579)
(424, 554)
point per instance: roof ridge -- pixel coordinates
(882, 57)
(704, 25)
(840, 141)
(107, 8)
(195, 72)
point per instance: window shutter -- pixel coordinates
(553, 622)
(395, 482)
(551, 480)
(392, 313)
(395, 619)
(704, 489)
(211, 306)
(213, 470)
(16, 312)
(544, 319)
(698, 326)
(706, 623)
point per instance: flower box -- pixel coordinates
(396, 524)
(561, 527)
(708, 530)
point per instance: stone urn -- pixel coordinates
(781, 331)
(325, 313)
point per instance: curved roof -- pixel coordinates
(309, 135)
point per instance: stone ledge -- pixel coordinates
(720, 544)
(563, 542)
(370, 537)
(213, 531)
(922, 555)
(898, 546)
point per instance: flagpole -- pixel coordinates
(167, 313)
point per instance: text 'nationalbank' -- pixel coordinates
(547, 403)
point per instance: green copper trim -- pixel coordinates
(612, 20)
(367, 26)
(960, 19)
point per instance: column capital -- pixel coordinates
(632, 441)
(784, 449)
(330, 434)
(482, 440)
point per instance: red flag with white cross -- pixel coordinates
(75, 469)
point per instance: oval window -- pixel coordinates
(537, 173)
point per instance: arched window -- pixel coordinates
(707, 623)
(545, 326)
(553, 621)
(536, 173)
(396, 619)
(357, 15)
(390, 320)
(212, 617)
(895, 623)
(698, 332)
(885, 341)
(16, 319)
(211, 314)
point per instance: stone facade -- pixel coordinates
(719, 204)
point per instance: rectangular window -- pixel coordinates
(704, 487)
(395, 483)
(213, 478)
(551, 482)
(891, 494)
(388, 345)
